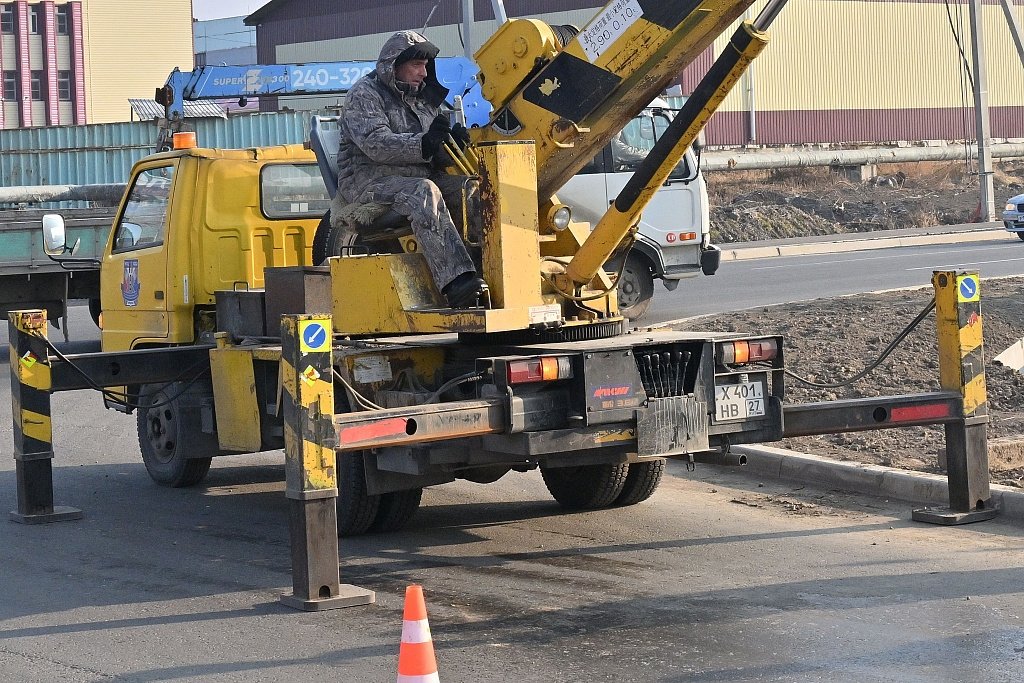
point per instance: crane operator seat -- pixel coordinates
(375, 227)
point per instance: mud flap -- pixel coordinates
(672, 426)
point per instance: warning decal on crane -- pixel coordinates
(608, 26)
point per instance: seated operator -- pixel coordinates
(626, 157)
(390, 153)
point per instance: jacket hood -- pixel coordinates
(433, 92)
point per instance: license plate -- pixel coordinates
(739, 401)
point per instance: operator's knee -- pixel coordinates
(427, 194)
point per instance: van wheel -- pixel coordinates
(396, 509)
(170, 432)
(586, 487)
(1020, 236)
(356, 508)
(641, 482)
(635, 287)
(320, 237)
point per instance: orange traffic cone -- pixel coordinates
(416, 663)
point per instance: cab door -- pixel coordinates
(133, 279)
(675, 207)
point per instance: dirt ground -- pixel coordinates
(759, 205)
(826, 342)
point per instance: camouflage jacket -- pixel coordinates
(382, 126)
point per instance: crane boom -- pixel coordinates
(458, 74)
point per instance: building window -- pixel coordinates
(11, 86)
(63, 21)
(37, 86)
(64, 86)
(7, 18)
(35, 19)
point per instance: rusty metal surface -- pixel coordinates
(864, 414)
(419, 424)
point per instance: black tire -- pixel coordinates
(1020, 236)
(586, 487)
(396, 509)
(635, 287)
(356, 508)
(169, 434)
(641, 482)
(320, 237)
(95, 309)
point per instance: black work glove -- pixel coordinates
(461, 135)
(435, 137)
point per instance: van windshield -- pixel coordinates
(637, 138)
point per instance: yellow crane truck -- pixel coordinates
(211, 247)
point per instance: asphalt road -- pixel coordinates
(719, 577)
(759, 282)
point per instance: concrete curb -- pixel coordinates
(859, 244)
(872, 480)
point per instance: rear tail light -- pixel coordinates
(542, 369)
(750, 351)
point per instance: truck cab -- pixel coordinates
(197, 221)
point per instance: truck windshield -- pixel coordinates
(293, 191)
(637, 138)
(144, 220)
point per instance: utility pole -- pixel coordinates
(467, 27)
(498, 6)
(988, 205)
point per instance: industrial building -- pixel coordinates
(837, 71)
(80, 61)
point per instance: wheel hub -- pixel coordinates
(161, 427)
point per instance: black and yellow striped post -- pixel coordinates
(30, 407)
(310, 470)
(962, 369)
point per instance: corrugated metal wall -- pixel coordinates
(839, 71)
(104, 153)
(130, 47)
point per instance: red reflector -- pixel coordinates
(373, 430)
(523, 371)
(915, 413)
(763, 349)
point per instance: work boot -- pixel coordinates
(465, 291)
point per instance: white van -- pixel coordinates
(673, 241)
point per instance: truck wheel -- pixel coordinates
(169, 433)
(641, 482)
(320, 237)
(396, 509)
(356, 508)
(586, 487)
(635, 287)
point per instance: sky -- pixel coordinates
(217, 9)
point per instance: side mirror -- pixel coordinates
(54, 239)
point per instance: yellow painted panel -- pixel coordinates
(975, 394)
(36, 426)
(234, 399)
(35, 375)
(971, 337)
